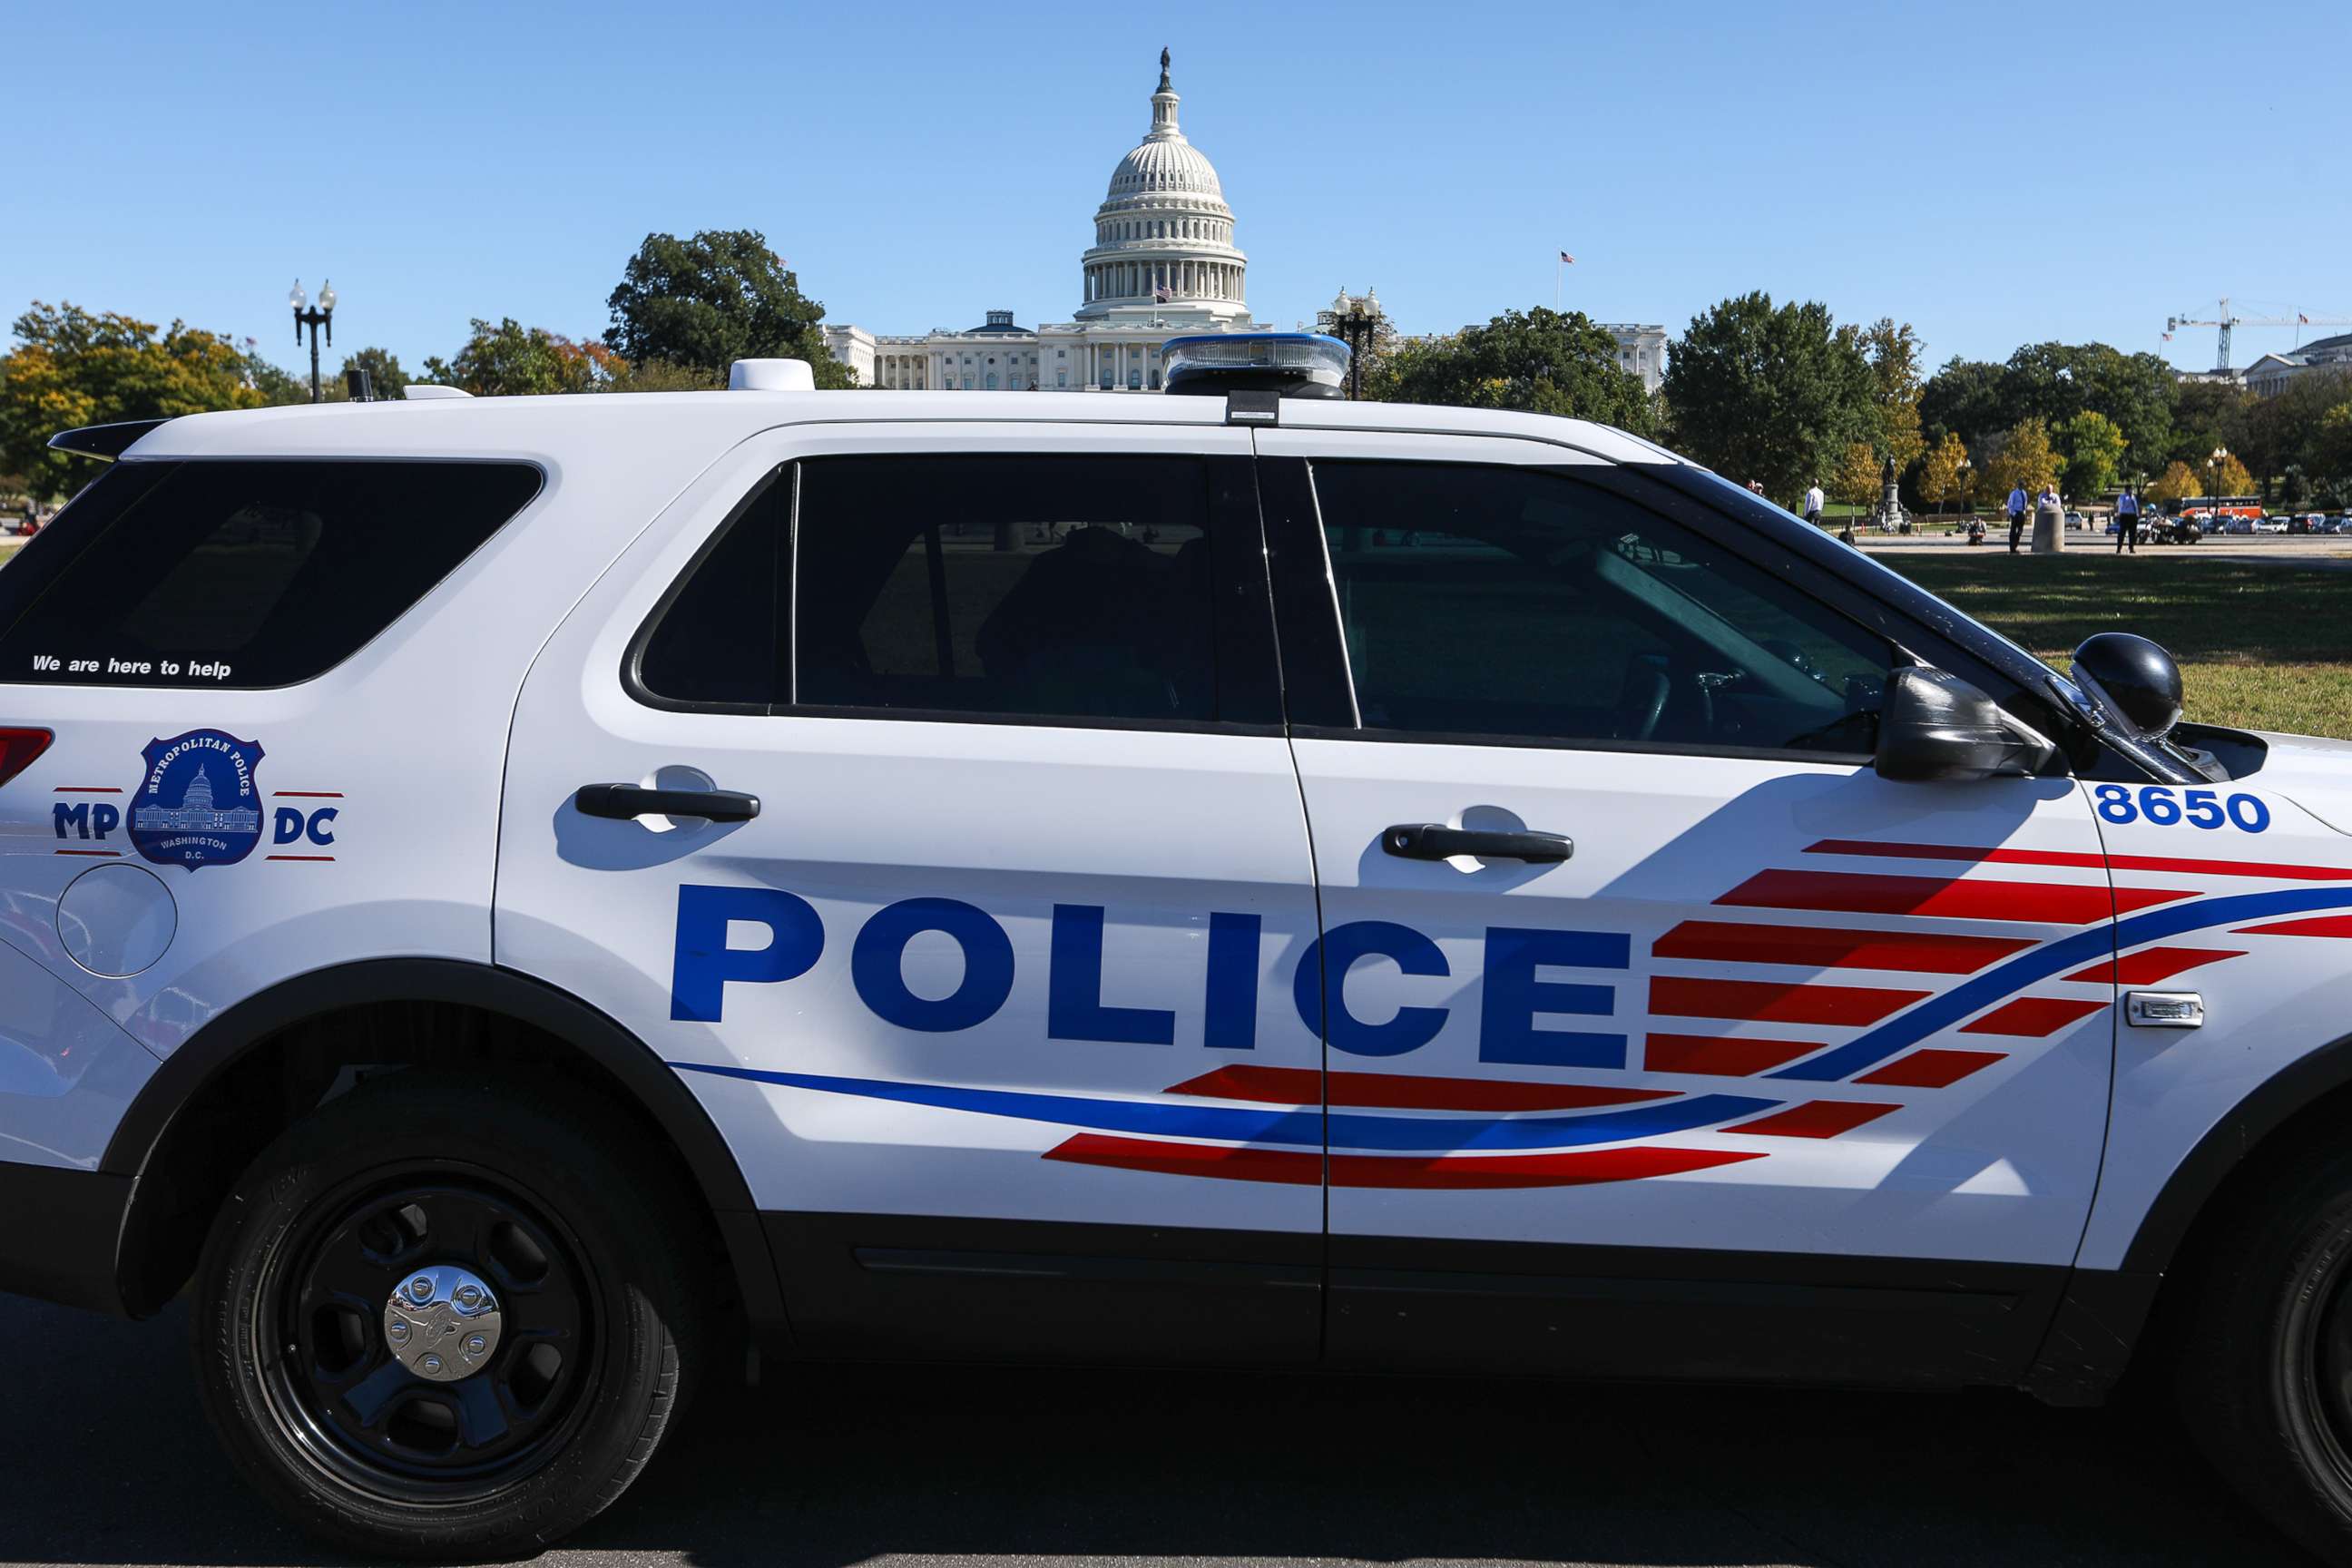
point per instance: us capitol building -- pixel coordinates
(1163, 264)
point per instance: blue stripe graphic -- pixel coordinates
(1949, 1007)
(1302, 1128)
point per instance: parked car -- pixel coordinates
(2274, 523)
(710, 891)
(2077, 519)
(2237, 525)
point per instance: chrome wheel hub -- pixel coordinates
(442, 1322)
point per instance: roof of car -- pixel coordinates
(712, 421)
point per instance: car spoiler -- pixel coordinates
(104, 442)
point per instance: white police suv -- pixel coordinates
(497, 898)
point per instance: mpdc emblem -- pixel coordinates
(197, 804)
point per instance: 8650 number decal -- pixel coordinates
(2160, 806)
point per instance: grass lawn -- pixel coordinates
(2265, 647)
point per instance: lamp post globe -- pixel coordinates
(305, 316)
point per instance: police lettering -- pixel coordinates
(765, 936)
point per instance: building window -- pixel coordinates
(1061, 378)
(992, 378)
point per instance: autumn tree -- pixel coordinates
(1770, 392)
(1943, 476)
(2024, 460)
(2095, 453)
(2179, 483)
(72, 367)
(511, 360)
(1892, 352)
(2234, 479)
(1856, 477)
(707, 301)
(1540, 360)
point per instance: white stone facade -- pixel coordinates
(1163, 265)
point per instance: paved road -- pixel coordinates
(104, 1458)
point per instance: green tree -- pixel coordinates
(513, 361)
(385, 378)
(1963, 399)
(1767, 393)
(2234, 479)
(71, 367)
(1942, 474)
(278, 385)
(2179, 482)
(659, 376)
(2024, 460)
(1539, 360)
(705, 302)
(2208, 414)
(2094, 448)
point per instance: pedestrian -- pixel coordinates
(2016, 515)
(1756, 486)
(2127, 522)
(1813, 504)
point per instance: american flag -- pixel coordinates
(2301, 319)
(1565, 256)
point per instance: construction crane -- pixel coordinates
(2225, 320)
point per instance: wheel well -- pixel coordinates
(2327, 1120)
(205, 1119)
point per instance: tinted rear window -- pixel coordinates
(240, 574)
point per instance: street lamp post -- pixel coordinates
(1355, 316)
(2213, 483)
(324, 316)
(1960, 479)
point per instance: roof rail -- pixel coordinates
(427, 392)
(104, 442)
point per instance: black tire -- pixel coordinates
(545, 1203)
(2263, 1357)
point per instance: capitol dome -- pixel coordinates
(1163, 235)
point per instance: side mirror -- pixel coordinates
(1935, 726)
(2133, 679)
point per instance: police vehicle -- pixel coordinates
(517, 905)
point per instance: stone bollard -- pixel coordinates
(2049, 532)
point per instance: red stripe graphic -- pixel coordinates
(2075, 857)
(1821, 947)
(1814, 1119)
(1725, 1058)
(1402, 1091)
(297, 857)
(1774, 1002)
(306, 794)
(2043, 902)
(1295, 1167)
(108, 854)
(1291, 1167)
(2031, 1017)
(2322, 925)
(1931, 1068)
(1489, 1172)
(87, 789)
(2149, 965)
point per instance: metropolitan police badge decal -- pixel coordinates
(197, 804)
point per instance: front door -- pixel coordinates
(1016, 863)
(1664, 1035)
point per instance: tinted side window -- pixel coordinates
(1514, 603)
(1040, 587)
(718, 641)
(241, 574)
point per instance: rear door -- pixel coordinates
(1764, 1064)
(989, 994)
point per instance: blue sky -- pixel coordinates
(1994, 173)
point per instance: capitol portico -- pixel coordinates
(1163, 264)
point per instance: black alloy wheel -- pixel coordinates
(451, 1313)
(344, 1390)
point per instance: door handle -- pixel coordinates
(1435, 841)
(621, 801)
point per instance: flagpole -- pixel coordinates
(1557, 268)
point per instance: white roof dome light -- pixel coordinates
(771, 375)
